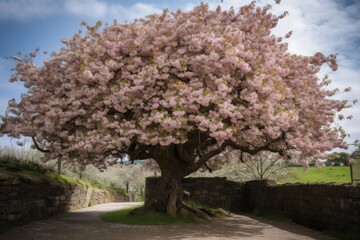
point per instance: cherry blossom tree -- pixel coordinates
(178, 88)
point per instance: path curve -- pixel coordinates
(85, 224)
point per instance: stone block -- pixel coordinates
(40, 202)
(11, 217)
(345, 204)
(5, 178)
(12, 194)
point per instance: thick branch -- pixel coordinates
(138, 151)
(208, 168)
(206, 157)
(38, 148)
(256, 150)
(203, 159)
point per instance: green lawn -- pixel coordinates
(327, 174)
(150, 218)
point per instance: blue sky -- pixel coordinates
(329, 26)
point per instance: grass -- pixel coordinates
(156, 218)
(36, 173)
(280, 217)
(32, 172)
(29, 171)
(15, 165)
(150, 218)
(316, 175)
(350, 235)
(194, 203)
(272, 215)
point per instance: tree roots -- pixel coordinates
(188, 212)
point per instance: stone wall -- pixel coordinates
(212, 191)
(319, 206)
(26, 198)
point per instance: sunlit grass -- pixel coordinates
(12, 165)
(319, 175)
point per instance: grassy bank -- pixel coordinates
(32, 172)
(315, 175)
(150, 218)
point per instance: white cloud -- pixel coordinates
(98, 9)
(87, 8)
(25, 9)
(328, 27)
(95, 9)
(318, 25)
(189, 6)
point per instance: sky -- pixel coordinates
(327, 26)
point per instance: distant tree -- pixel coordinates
(342, 157)
(178, 88)
(132, 176)
(151, 166)
(264, 165)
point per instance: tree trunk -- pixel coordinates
(59, 166)
(175, 162)
(168, 196)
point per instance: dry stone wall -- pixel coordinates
(319, 206)
(26, 198)
(217, 192)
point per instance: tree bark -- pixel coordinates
(168, 196)
(176, 162)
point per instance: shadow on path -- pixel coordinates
(85, 224)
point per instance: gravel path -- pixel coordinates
(85, 224)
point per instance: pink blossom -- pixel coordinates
(87, 74)
(221, 73)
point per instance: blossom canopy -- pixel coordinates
(205, 77)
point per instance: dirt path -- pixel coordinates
(85, 224)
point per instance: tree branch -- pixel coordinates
(206, 157)
(139, 152)
(256, 150)
(208, 168)
(37, 146)
(234, 145)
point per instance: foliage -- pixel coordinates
(20, 153)
(16, 162)
(150, 218)
(19, 159)
(342, 157)
(35, 172)
(130, 177)
(264, 165)
(179, 88)
(151, 166)
(218, 76)
(326, 174)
